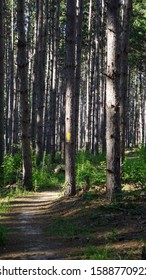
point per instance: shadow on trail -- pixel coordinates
(26, 224)
(47, 226)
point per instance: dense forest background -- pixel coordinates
(72, 89)
(73, 129)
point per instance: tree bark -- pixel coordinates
(40, 87)
(78, 67)
(127, 9)
(102, 97)
(54, 70)
(70, 99)
(34, 84)
(1, 87)
(25, 113)
(113, 185)
(89, 74)
(97, 83)
(145, 122)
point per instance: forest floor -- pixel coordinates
(46, 225)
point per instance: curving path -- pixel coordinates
(27, 222)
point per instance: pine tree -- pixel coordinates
(127, 9)
(113, 185)
(1, 85)
(25, 113)
(70, 99)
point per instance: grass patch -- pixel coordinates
(134, 168)
(66, 227)
(4, 207)
(98, 253)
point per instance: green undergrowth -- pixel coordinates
(90, 223)
(4, 207)
(98, 253)
(135, 171)
(66, 227)
(11, 191)
(12, 169)
(44, 175)
(91, 167)
(90, 170)
(88, 167)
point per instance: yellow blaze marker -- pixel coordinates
(68, 136)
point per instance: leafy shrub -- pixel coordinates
(90, 166)
(87, 166)
(84, 171)
(40, 178)
(82, 156)
(12, 166)
(134, 170)
(43, 175)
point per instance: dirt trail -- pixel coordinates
(27, 223)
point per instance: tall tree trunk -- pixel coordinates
(62, 115)
(15, 117)
(53, 90)
(7, 98)
(135, 111)
(96, 82)
(127, 8)
(70, 99)
(113, 185)
(40, 87)
(145, 122)
(102, 98)
(89, 92)
(127, 140)
(139, 109)
(46, 101)
(143, 108)
(34, 85)
(25, 114)
(78, 67)
(13, 92)
(1, 87)
(52, 103)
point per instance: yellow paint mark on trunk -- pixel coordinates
(68, 136)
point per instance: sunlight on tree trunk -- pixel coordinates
(70, 99)
(113, 185)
